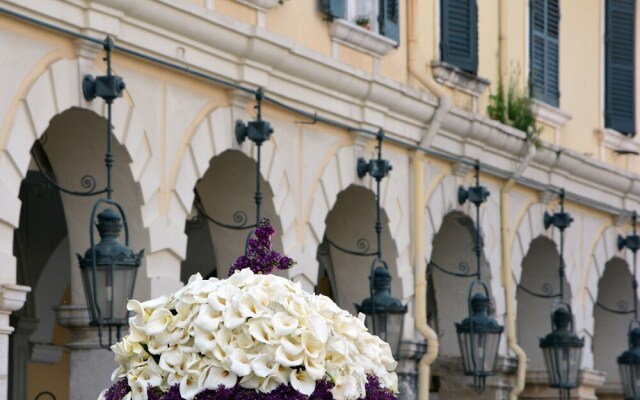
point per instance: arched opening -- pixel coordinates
(451, 270)
(539, 288)
(53, 226)
(350, 225)
(612, 312)
(226, 193)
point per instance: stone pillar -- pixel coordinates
(410, 354)
(91, 365)
(20, 354)
(537, 386)
(12, 298)
(453, 384)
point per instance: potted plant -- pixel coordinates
(363, 22)
(250, 336)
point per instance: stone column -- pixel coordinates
(91, 365)
(12, 298)
(537, 386)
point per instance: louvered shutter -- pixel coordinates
(544, 50)
(459, 36)
(334, 8)
(619, 69)
(389, 18)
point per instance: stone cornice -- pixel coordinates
(360, 38)
(12, 297)
(252, 55)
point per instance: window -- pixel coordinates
(459, 34)
(380, 16)
(543, 50)
(619, 66)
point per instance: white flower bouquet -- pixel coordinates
(251, 336)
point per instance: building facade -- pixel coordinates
(432, 74)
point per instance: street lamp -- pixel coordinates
(629, 361)
(629, 364)
(108, 268)
(562, 348)
(385, 313)
(478, 334)
(109, 272)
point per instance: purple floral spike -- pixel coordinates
(118, 390)
(260, 258)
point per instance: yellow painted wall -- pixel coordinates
(237, 11)
(301, 21)
(580, 47)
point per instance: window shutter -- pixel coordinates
(389, 18)
(620, 64)
(334, 8)
(459, 36)
(544, 50)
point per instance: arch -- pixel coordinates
(609, 328)
(54, 91)
(215, 135)
(442, 201)
(336, 176)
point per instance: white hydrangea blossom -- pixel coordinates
(259, 328)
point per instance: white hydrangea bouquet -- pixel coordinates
(253, 336)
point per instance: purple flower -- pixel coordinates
(322, 392)
(260, 258)
(118, 390)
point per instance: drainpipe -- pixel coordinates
(429, 334)
(507, 281)
(417, 69)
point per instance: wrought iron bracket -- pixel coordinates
(463, 267)
(362, 245)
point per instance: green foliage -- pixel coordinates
(515, 109)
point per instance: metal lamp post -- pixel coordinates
(478, 334)
(385, 314)
(562, 348)
(629, 361)
(108, 268)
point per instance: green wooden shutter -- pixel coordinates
(334, 8)
(389, 18)
(544, 50)
(619, 66)
(459, 34)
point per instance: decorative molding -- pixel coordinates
(360, 38)
(612, 139)
(262, 5)
(550, 115)
(452, 76)
(12, 297)
(547, 196)
(72, 315)
(461, 169)
(46, 353)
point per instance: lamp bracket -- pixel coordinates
(560, 220)
(240, 217)
(107, 87)
(362, 245)
(463, 267)
(475, 194)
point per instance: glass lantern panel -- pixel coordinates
(464, 340)
(563, 366)
(114, 286)
(479, 352)
(630, 376)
